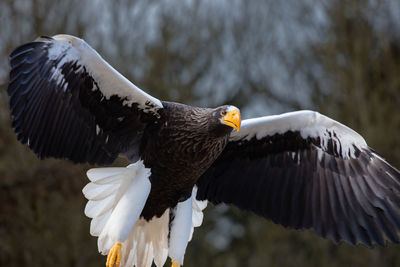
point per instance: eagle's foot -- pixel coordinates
(175, 264)
(114, 256)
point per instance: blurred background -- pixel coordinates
(339, 57)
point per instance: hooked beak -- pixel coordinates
(232, 119)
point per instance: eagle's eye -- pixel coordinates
(223, 112)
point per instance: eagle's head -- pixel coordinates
(225, 119)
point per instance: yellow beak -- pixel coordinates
(232, 118)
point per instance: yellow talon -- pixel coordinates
(175, 264)
(114, 256)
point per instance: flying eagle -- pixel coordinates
(302, 169)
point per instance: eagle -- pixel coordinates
(300, 169)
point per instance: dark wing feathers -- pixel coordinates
(296, 182)
(59, 110)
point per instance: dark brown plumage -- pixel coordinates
(178, 150)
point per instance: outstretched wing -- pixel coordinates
(67, 102)
(305, 170)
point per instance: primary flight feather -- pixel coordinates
(301, 169)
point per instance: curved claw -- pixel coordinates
(114, 256)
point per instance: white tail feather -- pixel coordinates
(147, 241)
(144, 251)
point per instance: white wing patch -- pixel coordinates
(309, 123)
(66, 48)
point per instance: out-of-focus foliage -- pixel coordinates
(361, 63)
(339, 57)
